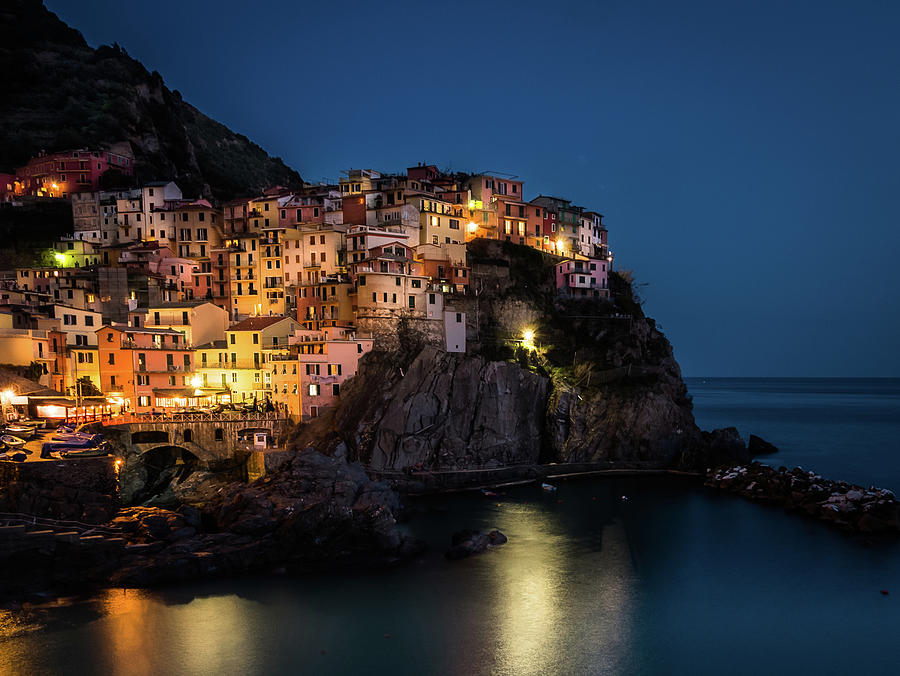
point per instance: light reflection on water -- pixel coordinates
(589, 585)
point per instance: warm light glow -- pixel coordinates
(528, 338)
(196, 381)
(54, 186)
(472, 227)
(51, 411)
(6, 396)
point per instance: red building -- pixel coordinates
(70, 171)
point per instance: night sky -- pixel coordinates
(745, 155)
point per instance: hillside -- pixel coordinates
(60, 93)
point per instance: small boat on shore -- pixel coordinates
(12, 442)
(77, 439)
(21, 431)
(548, 488)
(101, 450)
(490, 493)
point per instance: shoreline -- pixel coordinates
(147, 554)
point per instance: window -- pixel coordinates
(112, 380)
(412, 304)
(111, 358)
(256, 339)
(231, 339)
(188, 435)
(220, 434)
(454, 224)
(143, 400)
(314, 390)
(336, 389)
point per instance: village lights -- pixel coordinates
(472, 227)
(60, 258)
(6, 396)
(528, 338)
(196, 381)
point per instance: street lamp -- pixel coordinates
(528, 338)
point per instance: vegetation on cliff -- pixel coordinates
(59, 93)
(599, 385)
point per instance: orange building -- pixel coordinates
(149, 368)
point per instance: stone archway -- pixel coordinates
(161, 466)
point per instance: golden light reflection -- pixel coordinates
(541, 606)
(205, 632)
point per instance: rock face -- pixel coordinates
(603, 388)
(452, 411)
(848, 507)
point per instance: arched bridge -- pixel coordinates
(211, 437)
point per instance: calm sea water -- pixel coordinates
(674, 580)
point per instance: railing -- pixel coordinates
(131, 345)
(168, 368)
(32, 520)
(198, 416)
(239, 364)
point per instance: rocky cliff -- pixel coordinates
(600, 386)
(59, 93)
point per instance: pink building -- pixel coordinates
(70, 171)
(588, 278)
(323, 366)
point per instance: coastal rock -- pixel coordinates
(466, 543)
(759, 446)
(848, 507)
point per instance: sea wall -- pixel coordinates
(82, 489)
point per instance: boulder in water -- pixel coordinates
(469, 542)
(759, 446)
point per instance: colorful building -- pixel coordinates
(70, 171)
(148, 367)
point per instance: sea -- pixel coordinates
(621, 575)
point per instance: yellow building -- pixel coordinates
(84, 362)
(244, 270)
(241, 363)
(441, 222)
(271, 245)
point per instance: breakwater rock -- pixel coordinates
(846, 506)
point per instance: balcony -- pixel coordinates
(168, 368)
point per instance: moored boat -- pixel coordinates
(11, 441)
(549, 488)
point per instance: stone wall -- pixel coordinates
(83, 489)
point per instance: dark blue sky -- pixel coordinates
(745, 154)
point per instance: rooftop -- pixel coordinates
(257, 323)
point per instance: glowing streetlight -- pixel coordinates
(528, 338)
(60, 258)
(196, 381)
(472, 227)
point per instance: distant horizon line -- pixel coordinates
(790, 377)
